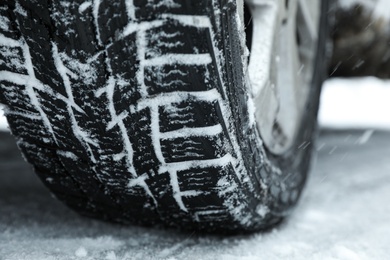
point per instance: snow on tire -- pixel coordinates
(137, 112)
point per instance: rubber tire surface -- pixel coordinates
(137, 112)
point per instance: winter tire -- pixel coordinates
(147, 112)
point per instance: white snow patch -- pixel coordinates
(111, 255)
(170, 98)
(68, 154)
(342, 252)
(141, 51)
(170, 250)
(251, 111)
(5, 41)
(181, 166)
(197, 131)
(198, 21)
(130, 9)
(119, 156)
(4, 23)
(183, 59)
(81, 252)
(262, 210)
(13, 58)
(168, 3)
(355, 103)
(84, 6)
(155, 129)
(77, 69)
(3, 120)
(19, 9)
(95, 11)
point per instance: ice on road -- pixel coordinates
(343, 214)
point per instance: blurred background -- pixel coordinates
(344, 211)
(357, 93)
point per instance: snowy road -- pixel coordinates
(344, 214)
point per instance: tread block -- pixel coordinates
(36, 34)
(151, 9)
(74, 28)
(198, 178)
(48, 167)
(112, 18)
(193, 148)
(178, 77)
(11, 59)
(204, 202)
(188, 114)
(172, 37)
(17, 101)
(204, 181)
(211, 215)
(21, 127)
(63, 133)
(140, 133)
(162, 191)
(87, 179)
(8, 27)
(124, 65)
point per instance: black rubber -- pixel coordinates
(136, 112)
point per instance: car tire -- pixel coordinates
(141, 112)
